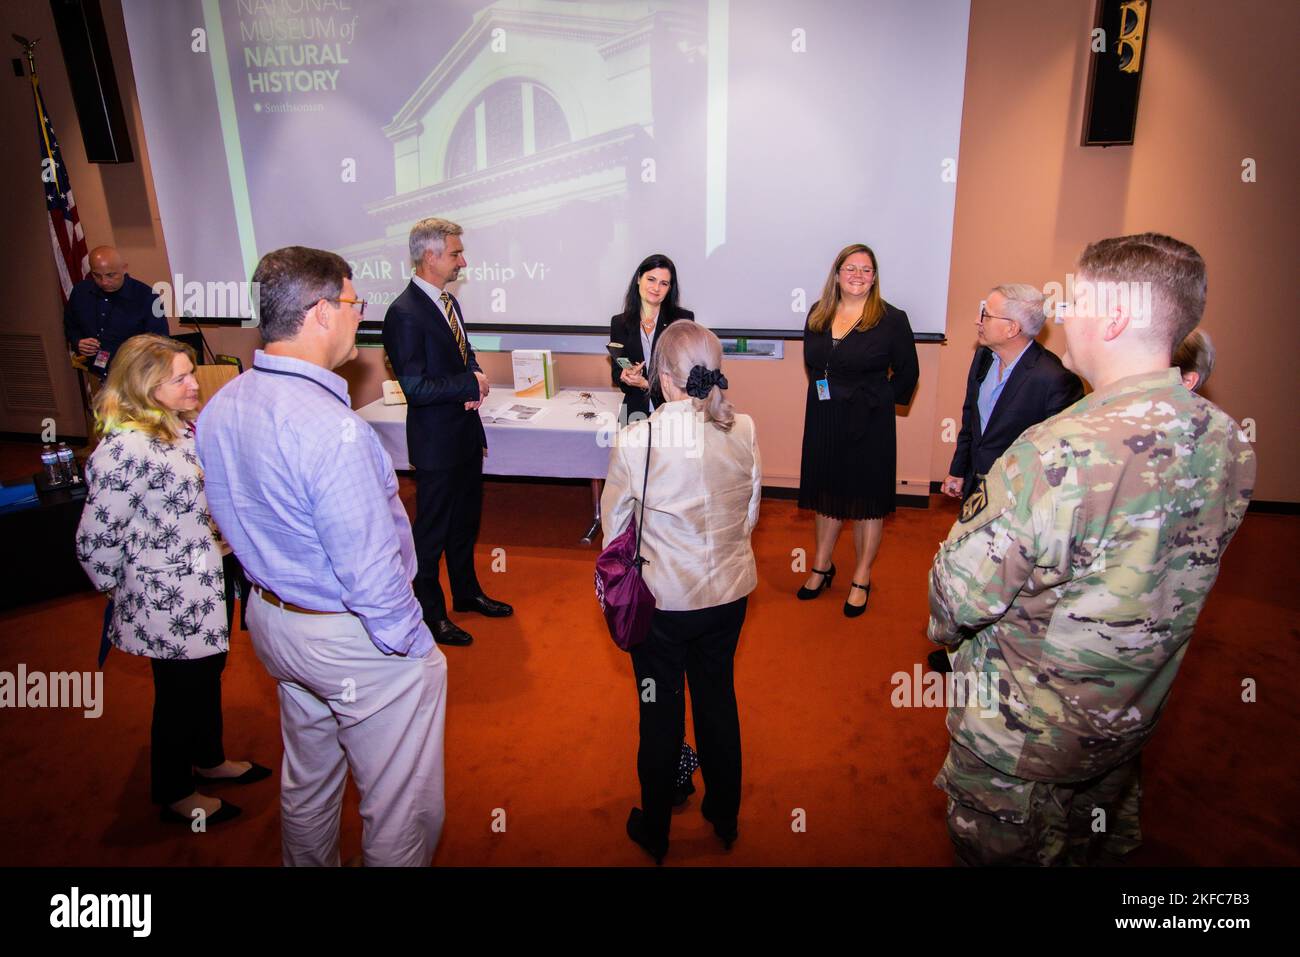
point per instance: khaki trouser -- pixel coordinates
(344, 705)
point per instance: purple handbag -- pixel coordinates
(625, 599)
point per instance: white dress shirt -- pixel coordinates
(434, 293)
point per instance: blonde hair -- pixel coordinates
(1195, 354)
(126, 400)
(873, 310)
(682, 346)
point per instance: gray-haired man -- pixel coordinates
(428, 346)
(1013, 383)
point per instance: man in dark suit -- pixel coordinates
(1013, 383)
(428, 347)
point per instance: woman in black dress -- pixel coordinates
(648, 309)
(861, 361)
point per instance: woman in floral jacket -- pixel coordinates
(146, 538)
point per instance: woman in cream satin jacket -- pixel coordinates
(701, 505)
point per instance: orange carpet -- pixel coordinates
(542, 720)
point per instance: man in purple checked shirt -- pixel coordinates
(301, 488)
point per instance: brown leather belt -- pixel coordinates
(279, 602)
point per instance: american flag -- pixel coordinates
(66, 238)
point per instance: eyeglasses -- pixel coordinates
(985, 315)
(854, 270)
(359, 303)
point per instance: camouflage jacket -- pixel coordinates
(1077, 571)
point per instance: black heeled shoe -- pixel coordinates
(852, 611)
(636, 831)
(828, 576)
(683, 794)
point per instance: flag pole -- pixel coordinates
(29, 48)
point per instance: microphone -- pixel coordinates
(195, 322)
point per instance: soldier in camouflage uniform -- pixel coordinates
(1075, 575)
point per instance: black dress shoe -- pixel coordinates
(636, 831)
(727, 831)
(223, 813)
(485, 606)
(255, 773)
(446, 633)
(939, 661)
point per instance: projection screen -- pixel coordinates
(749, 140)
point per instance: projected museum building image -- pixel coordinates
(537, 133)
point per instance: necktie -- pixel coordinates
(455, 328)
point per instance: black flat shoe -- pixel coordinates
(255, 773)
(223, 813)
(726, 831)
(484, 606)
(447, 633)
(852, 611)
(636, 831)
(828, 576)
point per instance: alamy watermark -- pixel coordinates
(670, 431)
(966, 689)
(75, 909)
(1089, 298)
(207, 300)
(59, 689)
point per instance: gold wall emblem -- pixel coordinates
(1132, 35)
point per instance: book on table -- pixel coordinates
(534, 373)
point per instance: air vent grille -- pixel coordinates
(25, 374)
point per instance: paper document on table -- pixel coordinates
(515, 413)
(393, 394)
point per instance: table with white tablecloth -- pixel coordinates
(568, 437)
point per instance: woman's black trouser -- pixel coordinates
(186, 723)
(698, 647)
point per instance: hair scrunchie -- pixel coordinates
(701, 382)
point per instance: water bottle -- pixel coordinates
(50, 463)
(67, 463)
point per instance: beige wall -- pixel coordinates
(1219, 85)
(772, 391)
(1215, 90)
(116, 203)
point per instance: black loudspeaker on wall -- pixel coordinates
(1119, 40)
(94, 85)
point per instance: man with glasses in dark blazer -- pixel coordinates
(428, 347)
(1013, 383)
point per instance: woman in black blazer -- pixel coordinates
(861, 362)
(649, 307)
